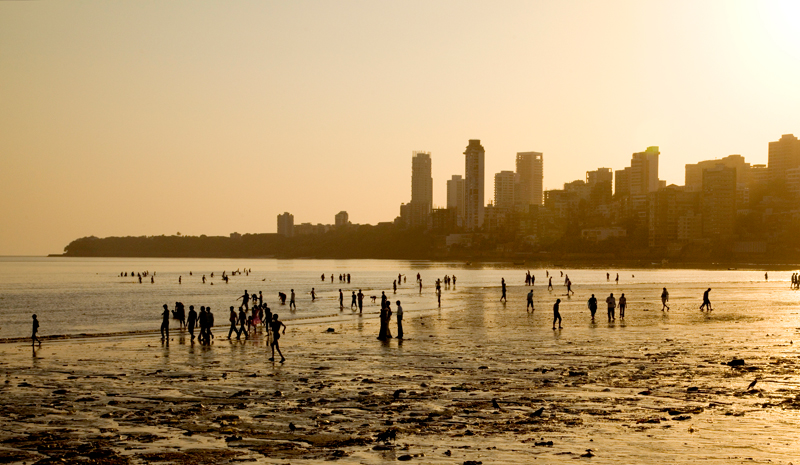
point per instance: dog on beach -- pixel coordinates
(374, 298)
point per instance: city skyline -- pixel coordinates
(208, 118)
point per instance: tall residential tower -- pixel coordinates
(530, 170)
(473, 185)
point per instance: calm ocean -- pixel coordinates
(88, 296)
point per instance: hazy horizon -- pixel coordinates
(149, 118)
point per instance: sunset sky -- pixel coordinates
(149, 118)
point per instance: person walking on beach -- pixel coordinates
(353, 302)
(556, 314)
(291, 301)
(35, 330)
(592, 304)
(530, 302)
(706, 303)
(439, 295)
(664, 299)
(503, 284)
(399, 320)
(569, 288)
(313, 295)
(360, 296)
(191, 320)
(454, 281)
(242, 323)
(550, 283)
(165, 323)
(341, 299)
(617, 279)
(232, 318)
(420, 285)
(612, 304)
(275, 328)
(766, 276)
(394, 286)
(623, 302)
(202, 322)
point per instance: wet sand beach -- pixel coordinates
(476, 381)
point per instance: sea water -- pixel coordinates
(73, 296)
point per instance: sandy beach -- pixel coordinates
(476, 381)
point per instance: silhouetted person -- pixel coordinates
(282, 298)
(348, 278)
(292, 304)
(664, 299)
(360, 301)
(275, 327)
(556, 314)
(612, 305)
(242, 323)
(617, 279)
(232, 318)
(394, 286)
(165, 323)
(179, 279)
(260, 298)
(550, 283)
(191, 320)
(341, 299)
(313, 295)
(245, 300)
(399, 320)
(35, 331)
(592, 304)
(623, 303)
(706, 302)
(503, 284)
(530, 301)
(209, 325)
(353, 301)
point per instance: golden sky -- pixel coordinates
(149, 117)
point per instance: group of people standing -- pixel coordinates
(204, 321)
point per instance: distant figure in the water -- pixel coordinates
(394, 286)
(439, 296)
(612, 305)
(292, 303)
(34, 331)
(179, 279)
(556, 314)
(664, 299)
(341, 299)
(282, 298)
(322, 277)
(623, 302)
(766, 276)
(530, 302)
(608, 276)
(313, 295)
(503, 285)
(275, 327)
(165, 324)
(617, 279)
(353, 301)
(592, 304)
(204, 279)
(706, 302)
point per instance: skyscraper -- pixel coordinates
(421, 179)
(530, 169)
(694, 171)
(783, 155)
(455, 196)
(473, 185)
(286, 224)
(504, 184)
(418, 210)
(644, 172)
